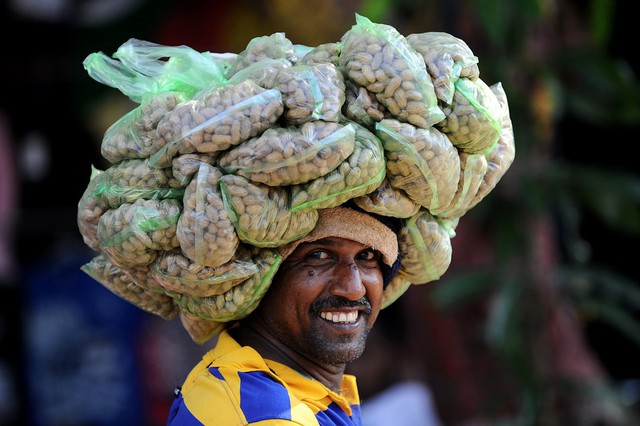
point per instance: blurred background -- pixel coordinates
(537, 321)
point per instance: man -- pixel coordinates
(285, 362)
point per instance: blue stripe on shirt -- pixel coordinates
(334, 415)
(180, 415)
(262, 398)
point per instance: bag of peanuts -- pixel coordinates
(326, 53)
(421, 162)
(113, 278)
(205, 231)
(311, 93)
(134, 179)
(502, 155)
(362, 106)
(396, 288)
(380, 59)
(387, 200)
(291, 155)
(274, 46)
(473, 167)
(241, 299)
(200, 330)
(359, 174)
(132, 234)
(447, 58)
(424, 243)
(176, 273)
(216, 120)
(263, 73)
(473, 121)
(133, 134)
(184, 166)
(89, 211)
(261, 213)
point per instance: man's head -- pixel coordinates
(327, 293)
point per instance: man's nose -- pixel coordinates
(348, 281)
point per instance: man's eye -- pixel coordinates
(318, 254)
(370, 254)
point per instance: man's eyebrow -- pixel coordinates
(330, 242)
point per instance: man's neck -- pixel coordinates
(254, 334)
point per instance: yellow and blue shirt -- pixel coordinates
(234, 385)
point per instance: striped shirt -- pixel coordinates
(234, 385)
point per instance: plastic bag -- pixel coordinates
(473, 167)
(205, 231)
(422, 162)
(424, 243)
(362, 106)
(241, 299)
(361, 173)
(177, 273)
(326, 53)
(132, 135)
(175, 68)
(134, 179)
(274, 46)
(501, 156)
(200, 330)
(396, 288)
(379, 58)
(474, 120)
(311, 93)
(132, 234)
(184, 166)
(221, 118)
(291, 155)
(447, 58)
(388, 201)
(145, 67)
(90, 209)
(261, 213)
(115, 280)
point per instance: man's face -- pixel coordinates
(324, 299)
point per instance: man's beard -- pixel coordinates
(344, 350)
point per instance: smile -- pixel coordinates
(341, 317)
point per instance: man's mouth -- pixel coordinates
(340, 317)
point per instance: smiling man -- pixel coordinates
(285, 362)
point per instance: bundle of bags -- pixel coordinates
(226, 157)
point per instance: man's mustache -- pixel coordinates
(336, 302)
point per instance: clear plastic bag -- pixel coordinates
(387, 200)
(361, 173)
(205, 231)
(447, 58)
(119, 283)
(240, 300)
(311, 93)
(90, 209)
(134, 179)
(379, 58)
(216, 121)
(424, 243)
(176, 273)
(132, 234)
(291, 155)
(261, 214)
(421, 162)
(474, 120)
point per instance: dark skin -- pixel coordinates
(320, 307)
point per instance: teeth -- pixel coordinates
(348, 318)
